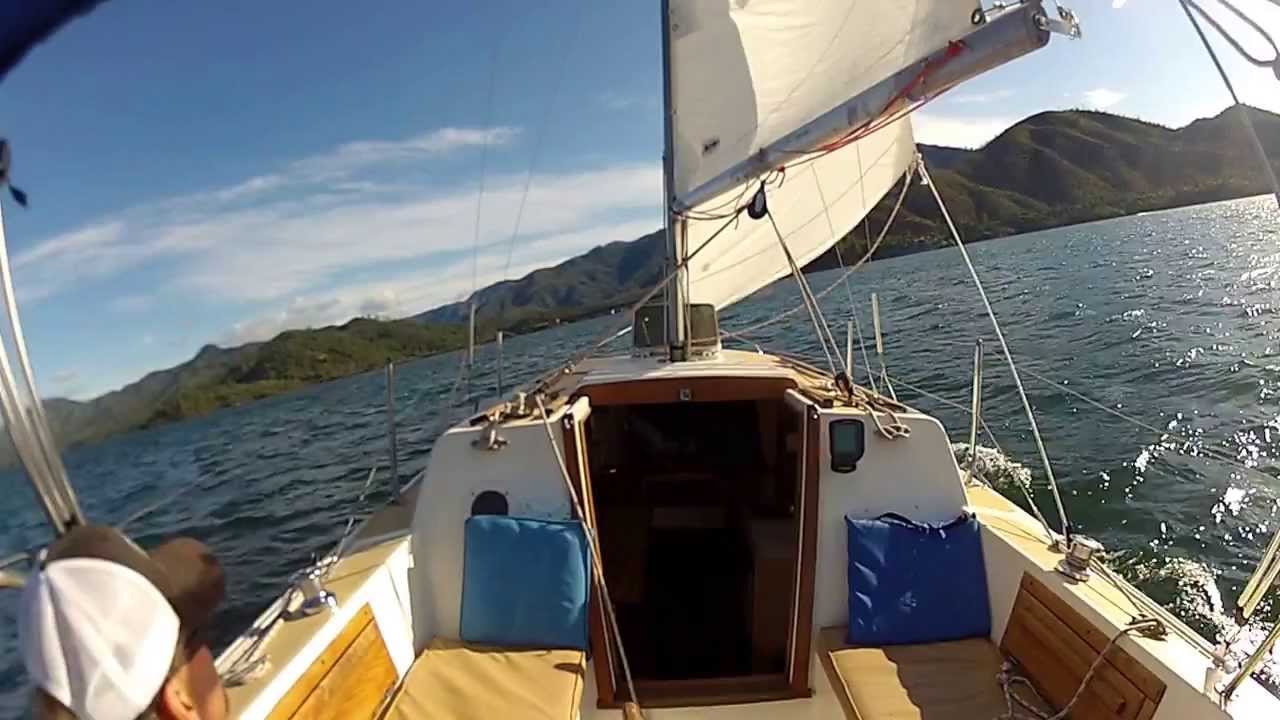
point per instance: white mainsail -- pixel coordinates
(744, 73)
(754, 82)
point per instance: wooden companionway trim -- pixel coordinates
(795, 682)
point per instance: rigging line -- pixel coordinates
(853, 313)
(1231, 40)
(612, 331)
(28, 427)
(484, 151)
(541, 137)
(804, 294)
(1209, 451)
(826, 211)
(906, 185)
(1026, 490)
(1004, 346)
(1244, 110)
(597, 564)
(1212, 452)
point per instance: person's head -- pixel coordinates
(111, 632)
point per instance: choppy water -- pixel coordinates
(1172, 318)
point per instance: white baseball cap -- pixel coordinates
(101, 619)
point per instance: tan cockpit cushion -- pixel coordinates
(953, 680)
(451, 680)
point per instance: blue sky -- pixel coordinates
(218, 172)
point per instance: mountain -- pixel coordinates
(1053, 168)
(222, 377)
(593, 282)
(1064, 167)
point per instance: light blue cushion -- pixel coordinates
(525, 583)
(916, 583)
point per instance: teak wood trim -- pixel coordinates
(701, 692)
(713, 691)
(1146, 681)
(350, 678)
(802, 615)
(717, 691)
(701, 389)
(1055, 645)
(598, 640)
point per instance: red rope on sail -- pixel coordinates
(954, 48)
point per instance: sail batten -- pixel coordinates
(756, 85)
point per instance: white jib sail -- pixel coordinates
(745, 73)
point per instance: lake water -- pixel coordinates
(1172, 318)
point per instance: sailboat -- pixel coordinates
(684, 530)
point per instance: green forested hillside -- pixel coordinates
(1058, 168)
(222, 377)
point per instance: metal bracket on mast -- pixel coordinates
(1065, 24)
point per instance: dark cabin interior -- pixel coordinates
(696, 509)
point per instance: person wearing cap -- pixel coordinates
(111, 632)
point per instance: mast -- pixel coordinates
(677, 301)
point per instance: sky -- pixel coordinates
(219, 172)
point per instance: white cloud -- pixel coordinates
(1117, 4)
(131, 303)
(364, 153)
(955, 131)
(283, 243)
(66, 377)
(1102, 98)
(293, 250)
(618, 101)
(345, 233)
(977, 98)
(407, 293)
(64, 383)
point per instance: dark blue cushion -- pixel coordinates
(914, 583)
(525, 583)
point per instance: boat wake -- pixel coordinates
(1192, 592)
(1188, 588)
(993, 467)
